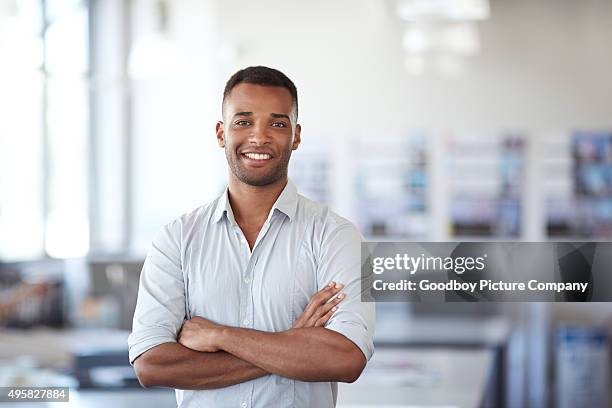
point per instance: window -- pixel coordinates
(44, 129)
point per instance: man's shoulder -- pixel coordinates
(321, 216)
(193, 219)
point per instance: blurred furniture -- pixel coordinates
(35, 291)
(150, 398)
(96, 357)
(118, 279)
(400, 376)
(454, 333)
(432, 377)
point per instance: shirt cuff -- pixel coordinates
(141, 341)
(355, 333)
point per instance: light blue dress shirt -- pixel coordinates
(201, 265)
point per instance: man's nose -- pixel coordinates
(259, 135)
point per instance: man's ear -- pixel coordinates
(220, 134)
(296, 138)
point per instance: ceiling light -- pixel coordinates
(417, 40)
(458, 10)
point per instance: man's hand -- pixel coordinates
(319, 310)
(200, 334)
(325, 355)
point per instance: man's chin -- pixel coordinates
(258, 177)
(258, 181)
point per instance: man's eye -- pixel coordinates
(279, 124)
(241, 122)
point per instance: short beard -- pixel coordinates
(275, 174)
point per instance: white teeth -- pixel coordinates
(257, 156)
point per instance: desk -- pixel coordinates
(398, 377)
(55, 348)
(464, 332)
(420, 377)
(394, 378)
(457, 333)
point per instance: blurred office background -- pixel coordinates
(422, 120)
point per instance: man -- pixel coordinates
(239, 302)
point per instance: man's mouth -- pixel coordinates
(257, 156)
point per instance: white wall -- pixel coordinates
(176, 162)
(543, 65)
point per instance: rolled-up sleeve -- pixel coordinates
(340, 261)
(160, 308)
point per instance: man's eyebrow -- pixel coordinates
(243, 114)
(279, 116)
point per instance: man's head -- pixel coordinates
(263, 76)
(259, 128)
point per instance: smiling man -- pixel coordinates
(253, 300)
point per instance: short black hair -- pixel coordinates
(260, 75)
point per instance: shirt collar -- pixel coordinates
(223, 206)
(285, 203)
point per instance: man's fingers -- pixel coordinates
(319, 305)
(324, 309)
(323, 319)
(327, 292)
(322, 296)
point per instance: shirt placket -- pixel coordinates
(245, 307)
(246, 296)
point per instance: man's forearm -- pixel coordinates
(173, 365)
(305, 354)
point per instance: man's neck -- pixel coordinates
(252, 204)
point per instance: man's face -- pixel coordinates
(258, 133)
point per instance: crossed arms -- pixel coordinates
(209, 355)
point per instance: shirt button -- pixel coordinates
(243, 405)
(245, 322)
(246, 280)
